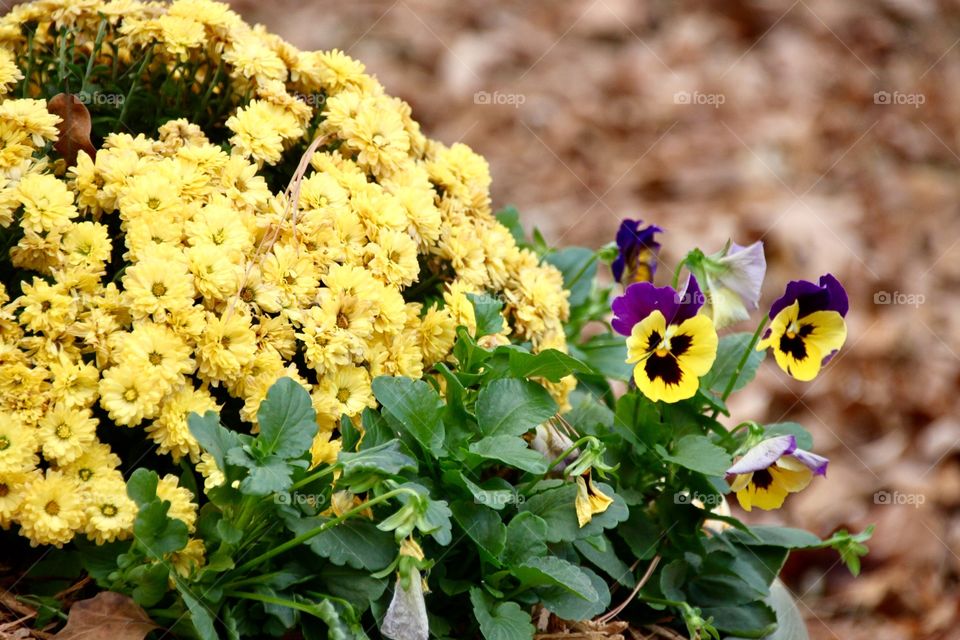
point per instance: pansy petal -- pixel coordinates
(789, 480)
(813, 462)
(701, 351)
(645, 336)
(763, 455)
(639, 301)
(688, 302)
(838, 295)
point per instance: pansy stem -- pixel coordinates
(743, 362)
(295, 542)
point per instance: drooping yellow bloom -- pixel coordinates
(590, 501)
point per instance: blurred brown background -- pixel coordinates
(827, 129)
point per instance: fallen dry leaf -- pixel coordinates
(74, 127)
(106, 615)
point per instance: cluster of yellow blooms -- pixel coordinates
(163, 277)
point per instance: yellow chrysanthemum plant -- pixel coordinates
(270, 363)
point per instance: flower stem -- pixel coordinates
(740, 365)
(280, 602)
(316, 476)
(290, 544)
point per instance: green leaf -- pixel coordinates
(510, 218)
(486, 309)
(287, 420)
(200, 616)
(500, 620)
(752, 620)
(555, 572)
(355, 586)
(599, 551)
(606, 353)
(151, 583)
(803, 437)
(355, 542)
(386, 458)
(510, 450)
(786, 537)
(569, 606)
(157, 533)
(549, 363)
(212, 436)
(729, 353)
(483, 526)
(494, 498)
(579, 267)
(272, 474)
(556, 507)
(526, 538)
(415, 406)
(513, 407)
(699, 454)
(142, 486)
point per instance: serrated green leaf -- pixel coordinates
(212, 436)
(157, 533)
(729, 354)
(483, 526)
(555, 572)
(510, 450)
(500, 620)
(556, 507)
(355, 542)
(526, 538)
(142, 486)
(287, 420)
(415, 406)
(699, 454)
(272, 474)
(513, 407)
(486, 310)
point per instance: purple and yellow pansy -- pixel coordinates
(637, 255)
(807, 326)
(772, 470)
(671, 345)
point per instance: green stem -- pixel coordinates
(316, 476)
(743, 362)
(134, 85)
(97, 43)
(280, 602)
(563, 456)
(295, 542)
(676, 274)
(265, 577)
(209, 92)
(25, 89)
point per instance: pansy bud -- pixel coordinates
(406, 617)
(732, 281)
(637, 253)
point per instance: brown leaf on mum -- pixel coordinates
(107, 615)
(74, 127)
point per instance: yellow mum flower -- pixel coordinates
(52, 511)
(86, 245)
(437, 334)
(226, 345)
(14, 489)
(212, 476)
(9, 73)
(18, 444)
(171, 431)
(156, 351)
(110, 512)
(189, 559)
(128, 396)
(47, 203)
(182, 506)
(378, 137)
(156, 288)
(46, 308)
(65, 432)
(95, 463)
(32, 117)
(344, 391)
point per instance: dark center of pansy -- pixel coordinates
(793, 342)
(762, 479)
(680, 344)
(665, 367)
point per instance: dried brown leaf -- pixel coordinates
(74, 127)
(107, 615)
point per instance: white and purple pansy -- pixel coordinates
(771, 470)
